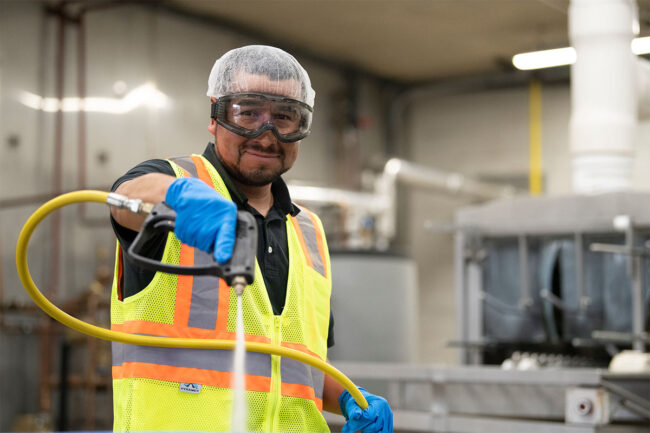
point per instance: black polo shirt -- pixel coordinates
(272, 247)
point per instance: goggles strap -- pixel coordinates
(214, 110)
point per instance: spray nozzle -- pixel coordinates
(237, 272)
(239, 284)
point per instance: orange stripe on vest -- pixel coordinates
(184, 288)
(301, 348)
(165, 330)
(301, 391)
(169, 373)
(201, 171)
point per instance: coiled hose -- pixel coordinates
(122, 337)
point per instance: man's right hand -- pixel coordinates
(204, 219)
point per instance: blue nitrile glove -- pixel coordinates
(204, 219)
(377, 418)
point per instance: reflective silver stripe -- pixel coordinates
(258, 364)
(309, 235)
(205, 296)
(302, 374)
(319, 381)
(117, 353)
(186, 163)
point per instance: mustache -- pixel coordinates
(257, 147)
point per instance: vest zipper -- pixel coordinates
(276, 379)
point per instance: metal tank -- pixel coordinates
(374, 298)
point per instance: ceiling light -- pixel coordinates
(565, 56)
(147, 95)
(544, 59)
(641, 45)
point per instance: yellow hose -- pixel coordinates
(123, 337)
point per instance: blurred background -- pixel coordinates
(464, 198)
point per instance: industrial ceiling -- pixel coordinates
(403, 40)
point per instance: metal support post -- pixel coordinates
(525, 301)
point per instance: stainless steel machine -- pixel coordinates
(488, 399)
(549, 289)
(564, 276)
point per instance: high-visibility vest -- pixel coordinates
(171, 389)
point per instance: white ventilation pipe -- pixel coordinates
(603, 88)
(643, 77)
(381, 203)
(420, 176)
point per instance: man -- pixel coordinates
(262, 104)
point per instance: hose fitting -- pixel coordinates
(239, 284)
(132, 205)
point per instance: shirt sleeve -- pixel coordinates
(136, 278)
(126, 236)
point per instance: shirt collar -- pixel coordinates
(279, 189)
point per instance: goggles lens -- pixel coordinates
(251, 114)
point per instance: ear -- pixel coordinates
(212, 127)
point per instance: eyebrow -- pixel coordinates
(286, 108)
(249, 102)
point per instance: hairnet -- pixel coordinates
(274, 63)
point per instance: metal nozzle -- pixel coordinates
(239, 284)
(145, 208)
(133, 205)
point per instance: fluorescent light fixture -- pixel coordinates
(544, 59)
(641, 45)
(565, 56)
(145, 95)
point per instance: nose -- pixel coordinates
(267, 139)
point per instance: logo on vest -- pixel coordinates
(191, 388)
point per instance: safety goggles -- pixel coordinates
(251, 114)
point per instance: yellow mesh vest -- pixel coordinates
(189, 389)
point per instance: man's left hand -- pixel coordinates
(376, 418)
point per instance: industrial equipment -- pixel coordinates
(549, 289)
(390, 282)
(553, 276)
